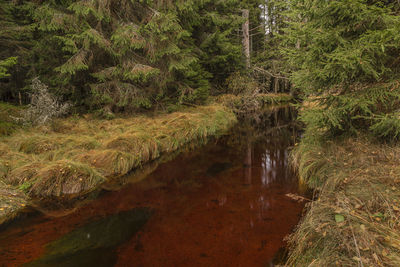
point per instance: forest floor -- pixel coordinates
(71, 157)
(355, 217)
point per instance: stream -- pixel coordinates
(221, 204)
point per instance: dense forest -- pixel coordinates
(123, 55)
(134, 55)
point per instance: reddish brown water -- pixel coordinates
(222, 205)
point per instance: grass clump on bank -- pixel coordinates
(72, 156)
(11, 202)
(355, 221)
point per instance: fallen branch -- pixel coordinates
(269, 73)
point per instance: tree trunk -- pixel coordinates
(246, 39)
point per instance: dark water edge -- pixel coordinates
(223, 204)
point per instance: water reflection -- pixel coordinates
(274, 165)
(221, 205)
(247, 165)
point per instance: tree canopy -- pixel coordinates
(122, 53)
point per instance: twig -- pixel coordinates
(357, 249)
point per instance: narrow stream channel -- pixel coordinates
(223, 204)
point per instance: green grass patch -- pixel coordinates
(11, 202)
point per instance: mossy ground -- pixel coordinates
(72, 156)
(355, 219)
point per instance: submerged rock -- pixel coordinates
(94, 243)
(218, 167)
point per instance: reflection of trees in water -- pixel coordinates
(275, 127)
(266, 135)
(262, 141)
(275, 166)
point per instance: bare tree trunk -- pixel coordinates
(276, 85)
(246, 37)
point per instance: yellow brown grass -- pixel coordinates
(75, 155)
(65, 178)
(358, 181)
(11, 202)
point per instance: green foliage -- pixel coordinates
(125, 54)
(240, 84)
(345, 54)
(8, 113)
(5, 65)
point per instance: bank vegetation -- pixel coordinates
(73, 156)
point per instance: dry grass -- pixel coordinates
(73, 156)
(358, 181)
(11, 202)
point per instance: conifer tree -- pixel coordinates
(345, 54)
(16, 41)
(123, 54)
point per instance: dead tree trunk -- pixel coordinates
(246, 37)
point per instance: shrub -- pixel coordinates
(44, 106)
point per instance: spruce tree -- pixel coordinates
(16, 40)
(344, 54)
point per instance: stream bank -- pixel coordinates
(224, 203)
(69, 160)
(72, 157)
(354, 220)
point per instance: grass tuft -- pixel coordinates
(11, 202)
(65, 178)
